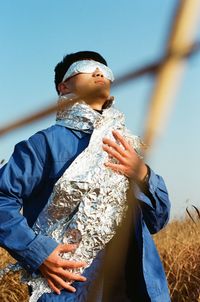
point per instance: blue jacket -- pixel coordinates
(27, 180)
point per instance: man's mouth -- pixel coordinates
(100, 82)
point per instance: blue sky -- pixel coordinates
(36, 34)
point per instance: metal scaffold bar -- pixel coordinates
(166, 84)
(170, 72)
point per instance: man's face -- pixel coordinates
(87, 85)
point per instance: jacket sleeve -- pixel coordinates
(154, 203)
(18, 179)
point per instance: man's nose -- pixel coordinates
(98, 73)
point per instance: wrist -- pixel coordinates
(142, 173)
(144, 177)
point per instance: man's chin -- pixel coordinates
(97, 94)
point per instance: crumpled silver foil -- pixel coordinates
(89, 201)
(95, 194)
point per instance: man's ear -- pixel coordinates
(63, 88)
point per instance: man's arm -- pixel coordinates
(153, 196)
(154, 202)
(19, 178)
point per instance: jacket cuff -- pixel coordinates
(153, 181)
(37, 251)
(149, 189)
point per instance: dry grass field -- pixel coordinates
(179, 248)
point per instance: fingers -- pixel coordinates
(114, 153)
(56, 283)
(59, 262)
(56, 289)
(124, 153)
(57, 270)
(122, 150)
(116, 167)
(71, 264)
(110, 143)
(60, 278)
(65, 274)
(120, 138)
(64, 248)
(117, 151)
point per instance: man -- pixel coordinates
(39, 167)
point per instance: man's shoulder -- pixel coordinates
(52, 129)
(50, 133)
(50, 142)
(45, 140)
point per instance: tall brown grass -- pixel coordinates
(179, 248)
(11, 289)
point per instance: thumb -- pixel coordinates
(67, 247)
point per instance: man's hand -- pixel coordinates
(55, 269)
(129, 162)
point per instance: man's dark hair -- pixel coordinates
(62, 67)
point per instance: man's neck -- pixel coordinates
(96, 104)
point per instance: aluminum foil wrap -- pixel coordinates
(88, 202)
